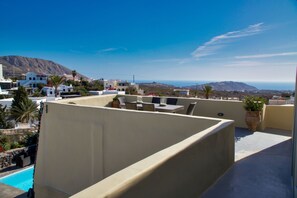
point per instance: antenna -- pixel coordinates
(133, 78)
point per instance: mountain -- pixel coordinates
(18, 65)
(227, 86)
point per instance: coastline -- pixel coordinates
(282, 86)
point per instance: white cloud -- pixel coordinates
(220, 41)
(173, 60)
(111, 49)
(258, 64)
(267, 55)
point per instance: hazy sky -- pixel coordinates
(242, 40)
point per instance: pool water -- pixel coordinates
(22, 179)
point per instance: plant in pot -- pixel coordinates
(115, 102)
(253, 106)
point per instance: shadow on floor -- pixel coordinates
(263, 174)
(9, 168)
(241, 133)
(24, 195)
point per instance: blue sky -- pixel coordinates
(238, 40)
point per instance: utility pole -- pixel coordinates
(133, 78)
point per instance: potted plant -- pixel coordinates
(115, 102)
(253, 106)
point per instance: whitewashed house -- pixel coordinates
(108, 84)
(105, 92)
(50, 91)
(182, 92)
(122, 86)
(5, 83)
(32, 79)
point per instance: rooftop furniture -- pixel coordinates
(131, 105)
(23, 161)
(191, 108)
(122, 101)
(162, 108)
(156, 100)
(169, 108)
(148, 107)
(172, 101)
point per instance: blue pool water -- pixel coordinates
(22, 179)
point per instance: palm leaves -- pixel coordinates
(207, 89)
(24, 111)
(74, 73)
(56, 82)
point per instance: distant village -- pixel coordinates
(40, 89)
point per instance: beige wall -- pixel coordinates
(185, 169)
(232, 110)
(81, 145)
(274, 116)
(99, 101)
(279, 117)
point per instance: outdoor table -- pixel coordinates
(164, 108)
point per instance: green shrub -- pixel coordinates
(252, 103)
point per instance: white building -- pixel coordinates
(5, 83)
(123, 86)
(109, 84)
(50, 91)
(105, 92)
(32, 80)
(182, 92)
(37, 100)
(70, 77)
(3, 92)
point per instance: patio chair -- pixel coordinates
(191, 108)
(132, 106)
(23, 161)
(148, 107)
(122, 101)
(156, 100)
(171, 101)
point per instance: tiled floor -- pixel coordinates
(10, 192)
(262, 167)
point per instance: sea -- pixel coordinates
(281, 86)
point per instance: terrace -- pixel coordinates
(88, 149)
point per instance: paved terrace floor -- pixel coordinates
(262, 167)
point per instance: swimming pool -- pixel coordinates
(22, 179)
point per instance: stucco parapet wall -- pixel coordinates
(274, 116)
(222, 109)
(105, 135)
(279, 117)
(117, 184)
(101, 100)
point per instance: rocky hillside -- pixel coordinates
(17, 65)
(228, 86)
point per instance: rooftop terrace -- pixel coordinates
(103, 151)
